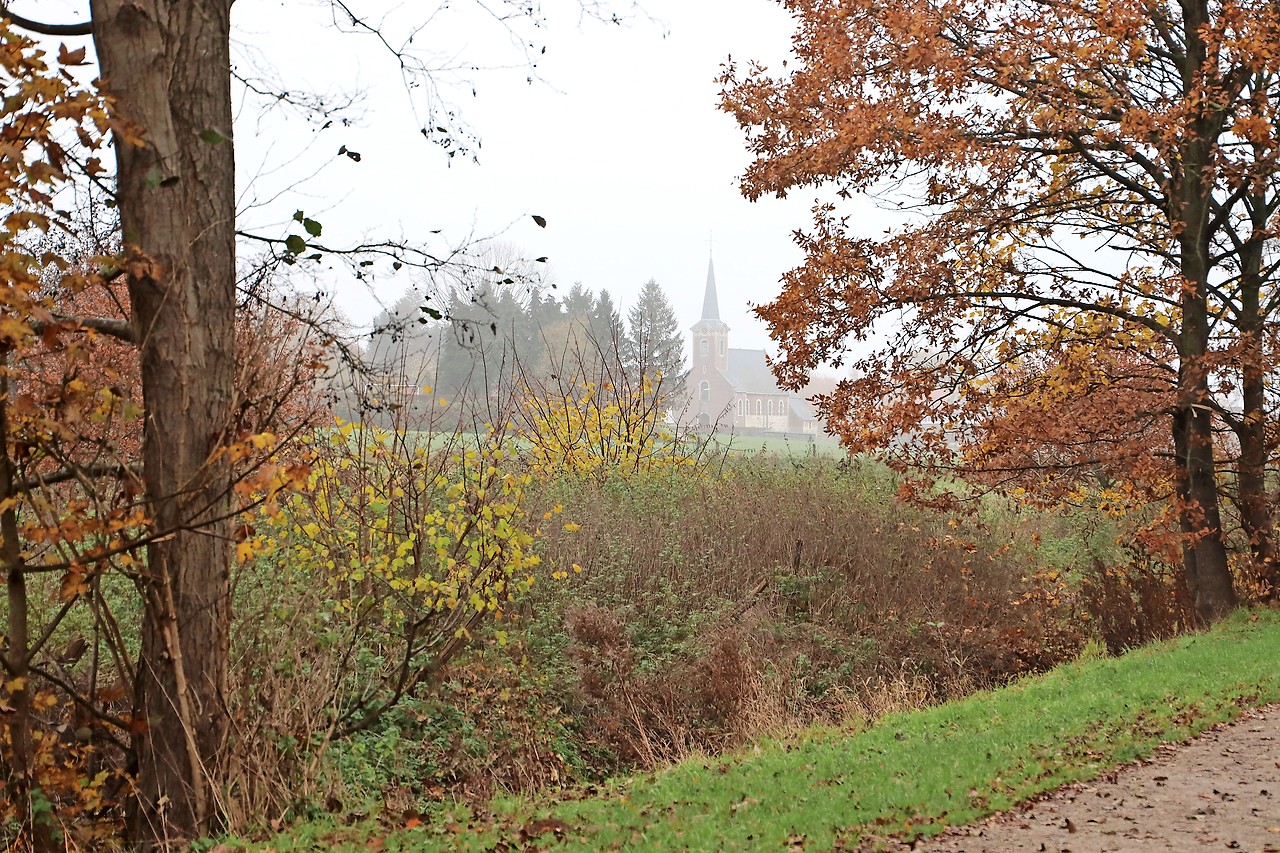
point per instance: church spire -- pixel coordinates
(710, 304)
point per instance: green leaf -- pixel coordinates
(431, 312)
(313, 228)
(299, 216)
(295, 244)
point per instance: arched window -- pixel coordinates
(770, 408)
(704, 392)
(742, 408)
(722, 346)
(759, 407)
(704, 346)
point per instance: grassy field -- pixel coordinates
(907, 775)
(820, 445)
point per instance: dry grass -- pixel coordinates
(712, 611)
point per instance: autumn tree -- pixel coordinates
(653, 345)
(166, 66)
(1067, 172)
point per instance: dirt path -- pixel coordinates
(1219, 792)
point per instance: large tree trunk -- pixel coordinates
(167, 62)
(1255, 445)
(1210, 576)
(1208, 573)
(1204, 553)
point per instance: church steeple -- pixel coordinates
(710, 304)
(710, 334)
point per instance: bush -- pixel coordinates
(703, 612)
(1137, 602)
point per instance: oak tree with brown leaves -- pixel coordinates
(1080, 182)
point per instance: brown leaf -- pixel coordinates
(70, 57)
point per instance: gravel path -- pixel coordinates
(1218, 792)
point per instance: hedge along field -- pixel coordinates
(679, 612)
(695, 613)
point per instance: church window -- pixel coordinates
(722, 347)
(704, 346)
(770, 408)
(759, 407)
(742, 408)
(704, 391)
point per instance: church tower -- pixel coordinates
(710, 335)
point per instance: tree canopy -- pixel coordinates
(1081, 283)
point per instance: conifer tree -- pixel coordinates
(606, 324)
(653, 345)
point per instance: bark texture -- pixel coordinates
(1190, 204)
(167, 62)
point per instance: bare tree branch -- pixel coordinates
(84, 28)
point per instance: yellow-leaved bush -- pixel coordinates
(601, 428)
(417, 537)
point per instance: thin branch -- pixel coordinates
(114, 327)
(89, 472)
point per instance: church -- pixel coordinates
(733, 390)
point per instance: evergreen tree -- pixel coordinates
(578, 302)
(606, 327)
(653, 345)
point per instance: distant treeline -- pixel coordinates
(485, 343)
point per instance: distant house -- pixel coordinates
(733, 389)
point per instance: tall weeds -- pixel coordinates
(699, 612)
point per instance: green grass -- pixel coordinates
(801, 446)
(909, 774)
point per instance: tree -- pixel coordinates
(653, 345)
(404, 346)
(495, 312)
(167, 68)
(1081, 173)
(606, 324)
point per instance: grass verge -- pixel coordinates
(908, 775)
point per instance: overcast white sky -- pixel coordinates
(619, 145)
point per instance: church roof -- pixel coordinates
(748, 373)
(802, 408)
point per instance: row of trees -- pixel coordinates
(504, 329)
